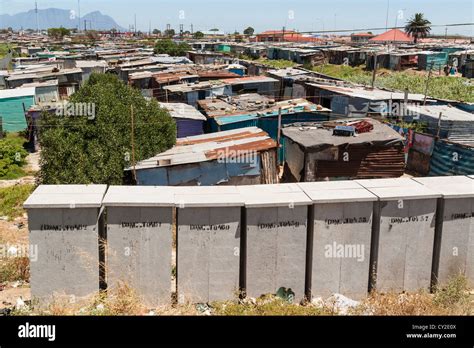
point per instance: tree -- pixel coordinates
(249, 31)
(85, 150)
(418, 26)
(58, 33)
(168, 46)
(170, 32)
(198, 35)
(156, 32)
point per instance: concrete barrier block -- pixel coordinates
(342, 237)
(208, 244)
(139, 241)
(276, 238)
(64, 226)
(456, 247)
(406, 239)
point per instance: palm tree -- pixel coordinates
(418, 26)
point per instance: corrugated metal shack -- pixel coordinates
(238, 157)
(254, 110)
(189, 121)
(432, 60)
(12, 102)
(454, 125)
(451, 159)
(359, 101)
(313, 153)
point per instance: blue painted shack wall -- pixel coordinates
(186, 127)
(240, 72)
(435, 60)
(443, 160)
(12, 114)
(202, 173)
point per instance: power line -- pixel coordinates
(396, 27)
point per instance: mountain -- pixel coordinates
(55, 17)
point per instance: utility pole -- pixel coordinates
(181, 30)
(85, 25)
(192, 29)
(37, 19)
(78, 15)
(386, 18)
(283, 31)
(135, 25)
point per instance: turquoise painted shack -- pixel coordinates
(13, 102)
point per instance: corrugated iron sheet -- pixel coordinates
(451, 159)
(365, 162)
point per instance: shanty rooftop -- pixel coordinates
(209, 147)
(449, 113)
(182, 110)
(320, 136)
(368, 93)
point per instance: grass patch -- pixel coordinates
(267, 305)
(450, 299)
(443, 87)
(274, 63)
(12, 157)
(12, 198)
(15, 268)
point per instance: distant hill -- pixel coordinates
(55, 17)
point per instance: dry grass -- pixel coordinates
(451, 299)
(14, 268)
(267, 305)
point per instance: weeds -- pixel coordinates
(14, 269)
(12, 198)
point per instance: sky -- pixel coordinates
(302, 15)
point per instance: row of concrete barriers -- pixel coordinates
(316, 238)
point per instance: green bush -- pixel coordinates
(12, 198)
(168, 46)
(84, 150)
(12, 157)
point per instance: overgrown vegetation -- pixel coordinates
(168, 46)
(274, 63)
(12, 199)
(451, 299)
(443, 87)
(12, 157)
(58, 33)
(85, 150)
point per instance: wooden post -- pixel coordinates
(427, 84)
(405, 103)
(279, 127)
(374, 73)
(439, 125)
(1, 127)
